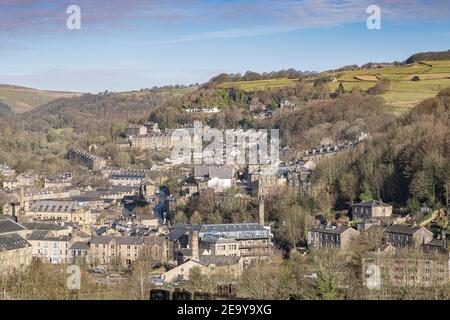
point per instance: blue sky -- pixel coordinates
(133, 44)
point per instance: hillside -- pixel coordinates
(430, 56)
(408, 84)
(402, 92)
(22, 99)
(4, 109)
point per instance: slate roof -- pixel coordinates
(210, 239)
(402, 229)
(186, 252)
(129, 240)
(232, 230)
(54, 206)
(228, 227)
(8, 226)
(79, 245)
(101, 230)
(176, 234)
(219, 260)
(101, 240)
(87, 197)
(372, 203)
(437, 243)
(133, 240)
(154, 239)
(329, 230)
(129, 176)
(12, 241)
(39, 235)
(43, 226)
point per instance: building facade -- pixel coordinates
(86, 159)
(335, 237)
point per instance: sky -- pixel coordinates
(132, 44)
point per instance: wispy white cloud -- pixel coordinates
(267, 17)
(237, 19)
(225, 34)
(32, 14)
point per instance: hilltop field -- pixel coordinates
(22, 99)
(402, 93)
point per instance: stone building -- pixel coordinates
(394, 270)
(128, 177)
(254, 240)
(109, 250)
(404, 236)
(158, 246)
(152, 141)
(208, 265)
(49, 247)
(62, 181)
(371, 210)
(219, 247)
(69, 211)
(329, 236)
(79, 253)
(218, 178)
(135, 130)
(86, 159)
(15, 253)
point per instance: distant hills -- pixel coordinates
(429, 56)
(432, 68)
(22, 99)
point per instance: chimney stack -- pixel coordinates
(194, 244)
(22, 198)
(261, 211)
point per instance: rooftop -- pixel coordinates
(403, 229)
(39, 235)
(79, 245)
(8, 226)
(219, 260)
(43, 226)
(12, 242)
(329, 229)
(372, 203)
(54, 206)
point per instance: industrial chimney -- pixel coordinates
(194, 244)
(261, 211)
(444, 238)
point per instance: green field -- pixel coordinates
(22, 99)
(403, 93)
(259, 85)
